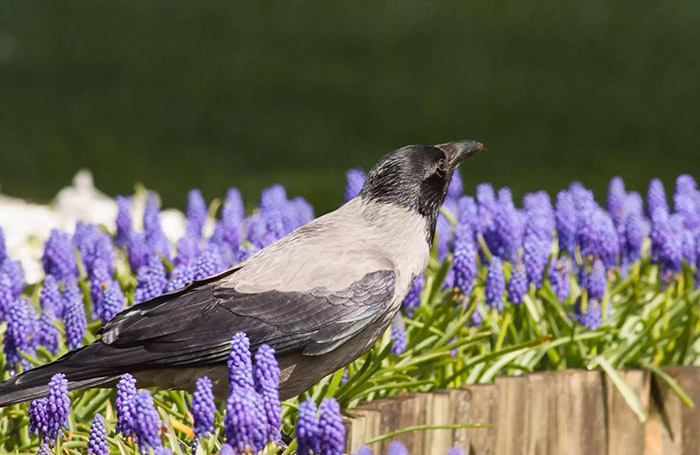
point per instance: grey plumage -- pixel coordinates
(320, 296)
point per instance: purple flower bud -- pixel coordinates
(187, 247)
(455, 189)
(57, 406)
(656, 198)
(74, 315)
(58, 258)
(559, 278)
(331, 428)
(44, 449)
(487, 207)
(591, 318)
(397, 448)
(398, 334)
(47, 334)
(635, 233)
(303, 209)
(196, 211)
(126, 391)
(509, 229)
(6, 296)
(256, 231)
(97, 442)
(667, 243)
(536, 252)
(113, 301)
(355, 180)
(464, 263)
(123, 221)
(38, 418)
(468, 213)
(146, 422)
(20, 327)
(565, 216)
(99, 277)
(138, 250)
(597, 282)
(155, 237)
(240, 367)
(598, 237)
(412, 300)
(266, 374)
(616, 199)
(209, 263)
(308, 430)
(273, 197)
(244, 428)
(150, 281)
(518, 284)
(180, 277)
(203, 407)
(232, 214)
(50, 296)
(13, 270)
(495, 285)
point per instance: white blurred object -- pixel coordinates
(27, 225)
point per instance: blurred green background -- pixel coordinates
(215, 93)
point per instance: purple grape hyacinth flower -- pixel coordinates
(308, 429)
(187, 247)
(266, 375)
(7, 296)
(355, 180)
(123, 221)
(38, 418)
(44, 449)
(3, 247)
(240, 366)
(598, 237)
(616, 199)
(47, 333)
(518, 284)
(245, 430)
(455, 188)
(495, 285)
(18, 334)
(592, 318)
(155, 237)
(74, 315)
(146, 422)
(656, 199)
(209, 263)
(397, 448)
(508, 227)
(180, 277)
(464, 263)
(113, 301)
(150, 281)
(635, 232)
(126, 391)
(412, 300)
(57, 406)
(97, 442)
(58, 258)
(398, 334)
(196, 211)
(50, 296)
(559, 279)
(565, 216)
(597, 282)
(203, 407)
(138, 250)
(536, 252)
(331, 428)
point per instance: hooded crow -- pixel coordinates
(321, 296)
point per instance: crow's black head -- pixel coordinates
(417, 176)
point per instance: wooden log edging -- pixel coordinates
(550, 413)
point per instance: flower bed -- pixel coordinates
(508, 291)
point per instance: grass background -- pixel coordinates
(215, 93)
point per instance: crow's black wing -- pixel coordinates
(195, 326)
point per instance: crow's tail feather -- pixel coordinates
(33, 384)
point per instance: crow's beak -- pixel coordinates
(459, 151)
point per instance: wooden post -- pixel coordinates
(483, 409)
(625, 431)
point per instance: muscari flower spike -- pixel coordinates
(187, 247)
(153, 228)
(616, 199)
(150, 281)
(455, 189)
(656, 198)
(113, 301)
(126, 391)
(412, 300)
(58, 258)
(398, 334)
(495, 285)
(97, 441)
(597, 283)
(331, 428)
(44, 449)
(565, 216)
(266, 375)
(74, 315)
(209, 263)
(179, 277)
(146, 422)
(559, 278)
(355, 180)
(3, 247)
(592, 317)
(536, 251)
(397, 448)
(50, 296)
(518, 284)
(57, 407)
(196, 211)
(47, 333)
(245, 430)
(635, 232)
(13, 271)
(508, 228)
(240, 367)
(464, 263)
(308, 430)
(203, 407)
(123, 221)
(18, 334)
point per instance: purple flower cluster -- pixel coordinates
(126, 391)
(398, 335)
(49, 416)
(203, 407)
(97, 442)
(253, 409)
(320, 432)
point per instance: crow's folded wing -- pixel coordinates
(194, 326)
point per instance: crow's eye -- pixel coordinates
(442, 167)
